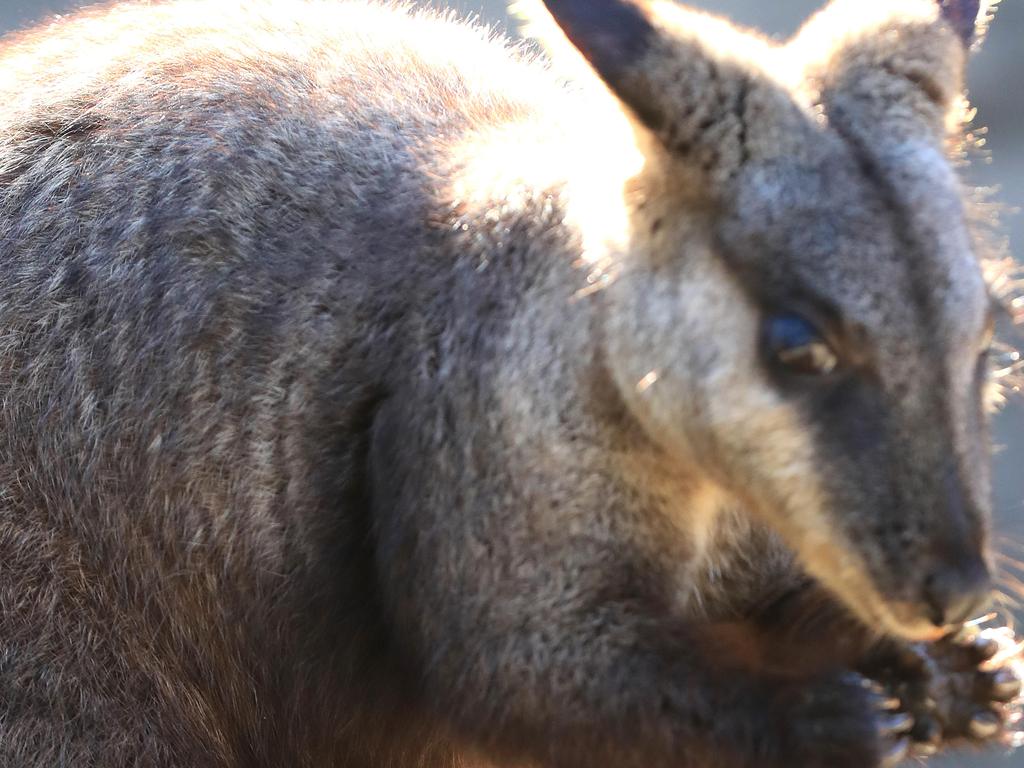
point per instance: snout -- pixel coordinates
(957, 591)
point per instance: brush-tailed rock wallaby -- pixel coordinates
(369, 396)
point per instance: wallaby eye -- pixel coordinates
(794, 343)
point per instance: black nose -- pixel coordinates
(958, 593)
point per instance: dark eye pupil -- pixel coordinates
(794, 343)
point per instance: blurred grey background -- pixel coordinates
(997, 89)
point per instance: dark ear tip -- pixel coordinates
(963, 16)
(611, 34)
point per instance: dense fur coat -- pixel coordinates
(370, 398)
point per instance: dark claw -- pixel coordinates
(875, 687)
(925, 748)
(896, 723)
(884, 700)
(984, 725)
(890, 704)
(896, 754)
(926, 737)
(1004, 685)
(922, 750)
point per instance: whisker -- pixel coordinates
(981, 620)
(1011, 583)
(1013, 541)
(1007, 601)
(1009, 563)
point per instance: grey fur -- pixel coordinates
(363, 405)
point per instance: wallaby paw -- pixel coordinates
(976, 686)
(848, 722)
(893, 723)
(964, 689)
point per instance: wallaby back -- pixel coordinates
(370, 397)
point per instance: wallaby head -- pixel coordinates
(801, 310)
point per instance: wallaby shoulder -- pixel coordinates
(221, 224)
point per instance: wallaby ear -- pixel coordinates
(693, 80)
(964, 16)
(890, 68)
(615, 36)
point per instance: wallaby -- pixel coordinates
(370, 396)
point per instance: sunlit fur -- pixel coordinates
(372, 397)
(887, 80)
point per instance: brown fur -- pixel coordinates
(370, 398)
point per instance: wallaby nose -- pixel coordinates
(959, 593)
